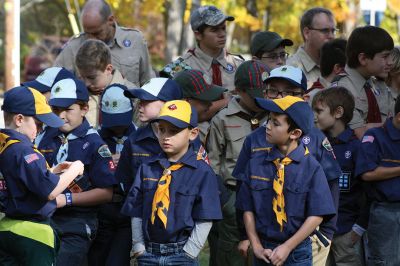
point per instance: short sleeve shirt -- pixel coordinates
(303, 61)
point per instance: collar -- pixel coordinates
(17, 136)
(221, 58)
(296, 155)
(145, 132)
(393, 132)
(308, 63)
(189, 158)
(343, 137)
(355, 77)
(234, 107)
(81, 130)
(119, 36)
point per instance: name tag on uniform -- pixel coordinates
(344, 182)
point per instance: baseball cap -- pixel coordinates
(292, 74)
(30, 102)
(297, 109)
(197, 85)
(267, 41)
(116, 109)
(48, 78)
(156, 89)
(249, 77)
(66, 92)
(207, 15)
(179, 113)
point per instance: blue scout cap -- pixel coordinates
(116, 108)
(48, 78)
(249, 77)
(30, 102)
(297, 109)
(207, 15)
(156, 89)
(66, 92)
(179, 113)
(292, 74)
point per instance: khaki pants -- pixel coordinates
(319, 251)
(343, 252)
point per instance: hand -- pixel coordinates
(61, 201)
(354, 237)
(243, 247)
(262, 254)
(115, 158)
(137, 254)
(77, 166)
(61, 167)
(280, 254)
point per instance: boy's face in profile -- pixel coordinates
(174, 141)
(379, 65)
(96, 80)
(149, 110)
(324, 119)
(72, 116)
(213, 37)
(277, 129)
(279, 88)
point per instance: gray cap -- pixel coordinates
(267, 41)
(207, 15)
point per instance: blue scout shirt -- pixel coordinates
(306, 193)
(94, 154)
(112, 142)
(193, 196)
(27, 178)
(381, 147)
(317, 143)
(346, 147)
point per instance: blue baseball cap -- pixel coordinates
(66, 92)
(48, 78)
(296, 108)
(292, 74)
(116, 108)
(30, 102)
(179, 113)
(156, 89)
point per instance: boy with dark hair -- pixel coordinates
(30, 191)
(284, 195)
(77, 140)
(333, 109)
(378, 163)
(368, 54)
(172, 200)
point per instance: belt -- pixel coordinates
(165, 249)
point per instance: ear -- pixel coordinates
(306, 33)
(109, 68)
(111, 20)
(295, 134)
(338, 112)
(84, 110)
(18, 120)
(362, 58)
(194, 132)
(337, 69)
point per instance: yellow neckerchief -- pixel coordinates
(278, 202)
(161, 198)
(5, 142)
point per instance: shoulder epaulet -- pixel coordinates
(129, 29)
(238, 56)
(170, 70)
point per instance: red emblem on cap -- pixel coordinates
(172, 107)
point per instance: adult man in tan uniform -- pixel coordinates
(317, 26)
(128, 47)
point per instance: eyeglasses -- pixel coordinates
(276, 56)
(326, 31)
(273, 93)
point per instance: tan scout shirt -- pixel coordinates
(225, 139)
(354, 82)
(303, 61)
(94, 100)
(197, 59)
(129, 54)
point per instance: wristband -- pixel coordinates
(68, 199)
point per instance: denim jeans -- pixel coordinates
(300, 256)
(384, 234)
(170, 254)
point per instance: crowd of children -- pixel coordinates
(269, 168)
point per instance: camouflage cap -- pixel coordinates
(207, 15)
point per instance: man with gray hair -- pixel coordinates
(128, 47)
(317, 26)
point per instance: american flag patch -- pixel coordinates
(368, 139)
(31, 157)
(203, 155)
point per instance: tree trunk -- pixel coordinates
(174, 28)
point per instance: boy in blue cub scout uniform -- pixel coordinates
(284, 195)
(77, 140)
(30, 191)
(378, 163)
(283, 81)
(113, 238)
(334, 109)
(173, 199)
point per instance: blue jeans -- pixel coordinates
(300, 256)
(384, 234)
(171, 254)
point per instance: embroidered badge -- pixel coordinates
(344, 182)
(127, 43)
(104, 151)
(31, 158)
(327, 145)
(366, 139)
(172, 107)
(264, 76)
(57, 89)
(347, 154)
(111, 165)
(85, 145)
(203, 155)
(306, 140)
(229, 68)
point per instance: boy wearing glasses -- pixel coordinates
(317, 26)
(269, 48)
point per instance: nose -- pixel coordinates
(62, 114)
